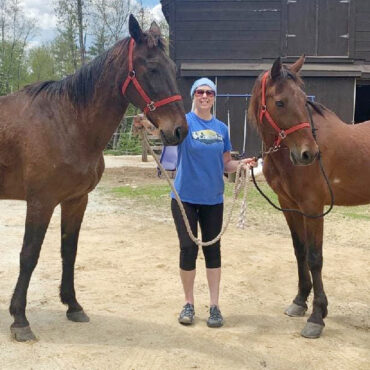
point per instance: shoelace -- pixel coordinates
(215, 313)
(188, 310)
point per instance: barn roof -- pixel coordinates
(188, 69)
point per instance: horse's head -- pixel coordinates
(278, 107)
(151, 83)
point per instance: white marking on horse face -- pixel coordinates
(336, 181)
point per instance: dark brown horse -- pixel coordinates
(52, 135)
(293, 172)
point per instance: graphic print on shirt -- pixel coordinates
(207, 136)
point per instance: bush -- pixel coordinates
(122, 141)
(129, 144)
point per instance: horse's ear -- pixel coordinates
(135, 30)
(276, 69)
(155, 30)
(253, 103)
(296, 67)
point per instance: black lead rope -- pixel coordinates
(322, 171)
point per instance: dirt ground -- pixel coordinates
(127, 281)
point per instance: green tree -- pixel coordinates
(42, 66)
(72, 31)
(64, 53)
(15, 30)
(108, 23)
(100, 42)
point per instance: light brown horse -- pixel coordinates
(52, 135)
(293, 172)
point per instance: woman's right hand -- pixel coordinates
(249, 162)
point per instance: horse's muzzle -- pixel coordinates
(304, 157)
(174, 137)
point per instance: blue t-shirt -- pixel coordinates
(200, 163)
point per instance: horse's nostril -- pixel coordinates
(178, 133)
(306, 156)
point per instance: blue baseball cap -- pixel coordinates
(203, 81)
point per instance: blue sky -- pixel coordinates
(43, 11)
(150, 2)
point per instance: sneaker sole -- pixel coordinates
(185, 322)
(215, 325)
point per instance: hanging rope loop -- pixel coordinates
(241, 182)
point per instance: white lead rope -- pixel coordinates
(240, 180)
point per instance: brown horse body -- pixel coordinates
(337, 142)
(52, 136)
(293, 172)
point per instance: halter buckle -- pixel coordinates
(282, 134)
(151, 106)
(263, 108)
(132, 74)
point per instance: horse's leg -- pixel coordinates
(314, 238)
(72, 215)
(297, 230)
(37, 221)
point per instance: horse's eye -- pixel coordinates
(279, 103)
(152, 67)
(153, 71)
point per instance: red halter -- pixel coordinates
(282, 134)
(150, 104)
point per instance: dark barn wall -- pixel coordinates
(237, 107)
(248, 34)
(337, 94)
(362, 29)
(318, 28)
(225, 30)
(250, 30)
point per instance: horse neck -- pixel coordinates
(100, 119)
(102, 115)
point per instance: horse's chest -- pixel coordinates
(87, 178)
(274, 179)
(79, 177)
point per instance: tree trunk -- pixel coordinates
(81, 31)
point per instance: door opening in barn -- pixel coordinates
(362, 105)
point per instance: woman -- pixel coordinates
(203, 157)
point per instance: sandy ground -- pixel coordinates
(127, 281)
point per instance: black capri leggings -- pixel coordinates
(210, 221)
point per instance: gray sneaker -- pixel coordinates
(187, 314)
(215, 319)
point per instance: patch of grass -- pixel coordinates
(154, 193)
(113, 152)
(157, 193)
(254, 198)
(356, 213)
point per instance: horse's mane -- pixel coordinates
(253, 107)
(80, 86)
(254, 104)
(318, 107)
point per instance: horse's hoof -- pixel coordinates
(78, 316)
(22, 334)
(294, 310)
(312, 330)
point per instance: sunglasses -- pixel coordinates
(200, 92)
